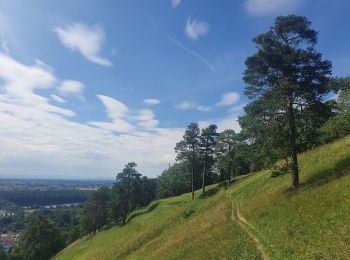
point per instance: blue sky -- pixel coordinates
(86, 86)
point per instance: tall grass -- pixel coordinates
(311, 223)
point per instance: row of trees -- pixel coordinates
(209, 156)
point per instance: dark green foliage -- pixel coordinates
(127, 188)
(174, 181)
(96, 211)
(229, 161)
(207, 142)
(286, 79)
(188, 150)
(14, 220)
(336, 127)
(186, 213)
(39, 241)
(66, 220)
(44, 197)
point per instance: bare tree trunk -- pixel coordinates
(292, 140)
(192, 181)
(229, 175)
(203, 181)
(125, 212)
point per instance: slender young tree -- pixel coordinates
(188, 150)
(207, 143)
(288, 71)
(127, 186)
(96, 210)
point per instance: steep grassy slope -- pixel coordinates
(312, 223)
(174, 228)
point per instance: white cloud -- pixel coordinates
(71, 88)
(228, 99)
(195, 29)
(40, 138)
(193, 53)
(58, 99)
(185, 105)
(271, 7)
(204, 108)
(175, 3)
(151, 101)
(147, 119)
(87, 40)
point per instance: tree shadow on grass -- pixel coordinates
(141, 212)
(209, 193)
(338, 170)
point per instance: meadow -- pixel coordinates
(267, 219)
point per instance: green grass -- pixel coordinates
(311, 223)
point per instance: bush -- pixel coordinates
(186, 213)
(336, 127)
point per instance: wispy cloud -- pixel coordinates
(175, 3)
(195, 29)
(227, 100)
(271, 7)
(151, 101)
(188, 105)
(204, 108)
(4, 46)
(87, 40)
(193, 53)
(58, 99)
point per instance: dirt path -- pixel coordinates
(248, 228)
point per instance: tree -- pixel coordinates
(174, 181)
(188, 150)
(343, 99)
(289, 72)
(207, 143)
(96, 210)
(39, 241)
(127, 188)
(225, 151)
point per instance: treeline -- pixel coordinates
(46, 233)
(39, 198)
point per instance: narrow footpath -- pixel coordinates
(247, 227)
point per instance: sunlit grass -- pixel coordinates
(311, 223)
(176, 228)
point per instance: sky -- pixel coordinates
(87, 86)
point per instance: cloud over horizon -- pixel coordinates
(47, 137)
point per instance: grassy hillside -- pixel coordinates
(258, 217)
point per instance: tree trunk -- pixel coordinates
(203, 181)
(125, 212)
(229, 175)
(292, 140)
(192, 181)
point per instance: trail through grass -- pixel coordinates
(247, 227)
(270, 220)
